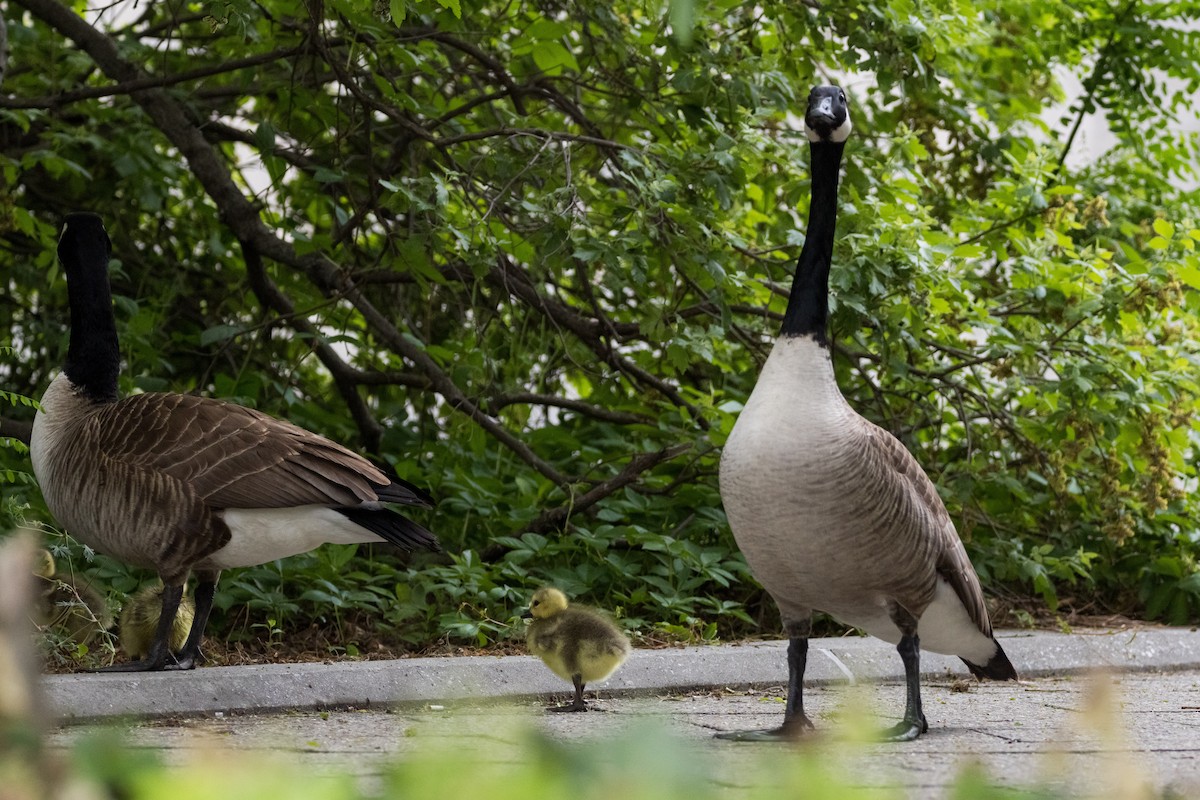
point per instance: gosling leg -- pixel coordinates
(579, 704)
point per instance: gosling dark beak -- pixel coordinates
(527, 615)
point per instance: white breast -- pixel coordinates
(799, 501)
(57, 403)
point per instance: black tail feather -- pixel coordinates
(392, 527)
(998, 668)
(403, 492)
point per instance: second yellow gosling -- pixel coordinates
(139, 620)
(577, 644)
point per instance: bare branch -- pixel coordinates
(274, 299)
(242, 218)
(17, 429)
(555, 518)
(597, 412)
(513, 280)
(130, 86)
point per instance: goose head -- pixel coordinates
(83, 239)
(828, 116)
(546, 602)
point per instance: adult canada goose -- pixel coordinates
(831, 511)
(577, 644)
(179, 483)
(139, 621)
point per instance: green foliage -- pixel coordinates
(12, 507)
(534, 255)
(643, 762)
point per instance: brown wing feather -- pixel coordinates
(952, 561)
(232, 456)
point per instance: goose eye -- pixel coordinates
(842, 95)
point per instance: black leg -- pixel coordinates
(159, 653)
(795, 722)
(190, 656)
(913, 724)
(579, 704)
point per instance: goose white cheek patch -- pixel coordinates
(842, 132)
(839, 134)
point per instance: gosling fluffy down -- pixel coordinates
(139, 620)
(577, 644)
(68, 603)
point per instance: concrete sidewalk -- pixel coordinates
(367, 684)
(1133, 736)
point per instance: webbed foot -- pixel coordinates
(905, 731)
(578, 705)
(791, 731)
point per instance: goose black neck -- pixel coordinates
(93, 356)
(808, 304)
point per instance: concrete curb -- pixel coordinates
(274, 687)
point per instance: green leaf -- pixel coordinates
(1190, 274)
(682, 16)
(551, 57)
(220, 333)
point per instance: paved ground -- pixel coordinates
(273, 687)
(1086, 735)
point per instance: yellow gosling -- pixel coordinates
(577, 644)
(69, 603)
(139, 621)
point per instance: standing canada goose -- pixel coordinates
(577, 644)
(179, 483)
(139, 621)
(831, 511)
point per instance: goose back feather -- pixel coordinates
(179, 483)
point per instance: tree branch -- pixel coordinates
(17, 429)
(509, 277)
(597, 412)
(243, 220)
(493, 65)
(128, 87)
(1093, 83)
(274, 299)
(558, 517)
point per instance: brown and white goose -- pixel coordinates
(831, 511)
(178, 483)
